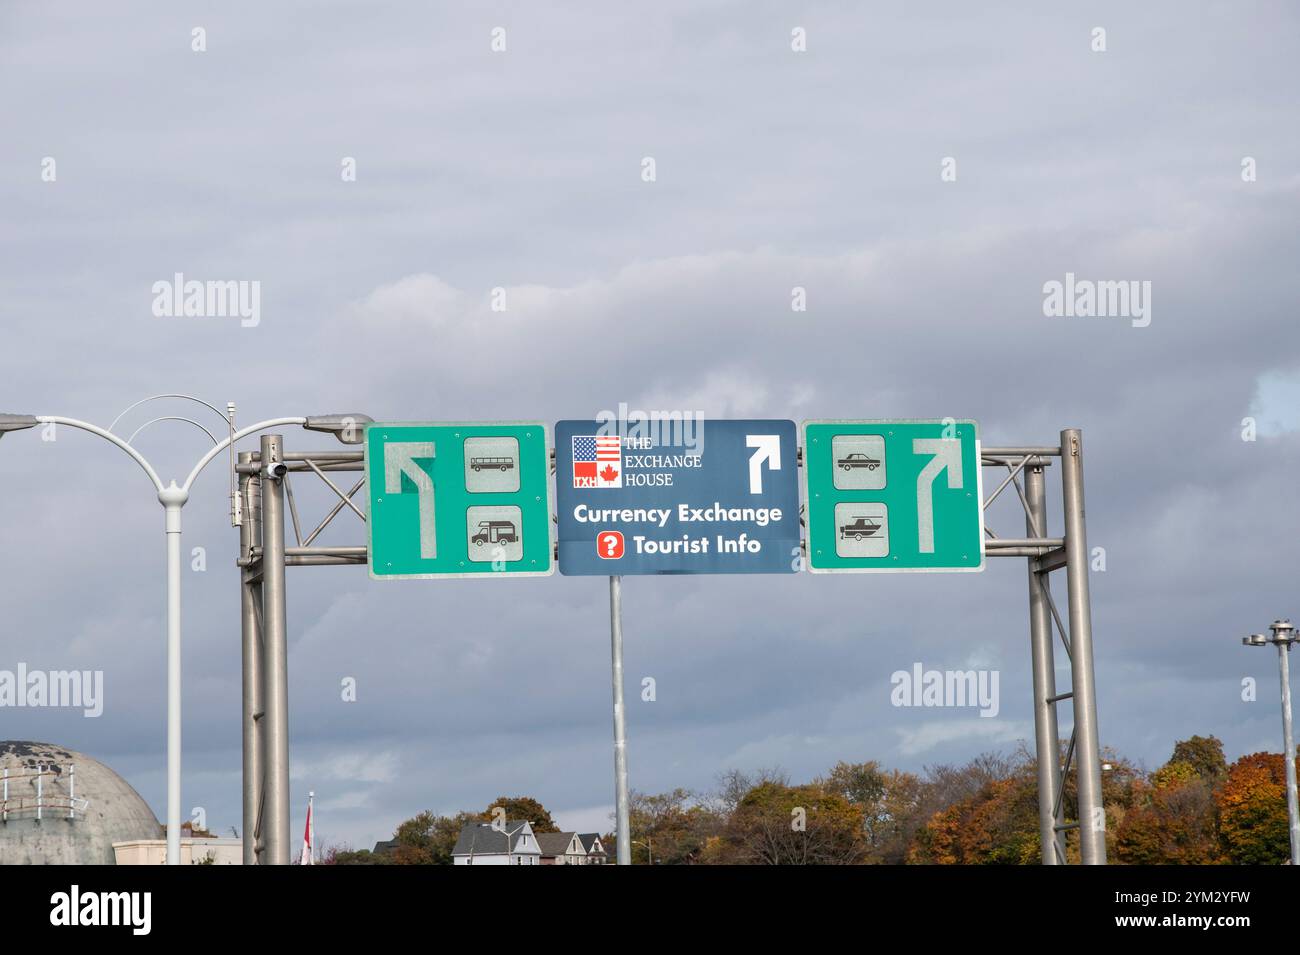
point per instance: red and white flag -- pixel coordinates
(307, 855)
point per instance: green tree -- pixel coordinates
(1204, 754)
(425, 839)
(341, 855)
(777, 824)
(415, 841)
(1173, 774)
(860, 783)
(522, 809)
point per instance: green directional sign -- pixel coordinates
(893, 496)
(459, 500)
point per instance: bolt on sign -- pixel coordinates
(657, 497)
(893, 496)
(458, 500)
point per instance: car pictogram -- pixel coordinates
(858, 460)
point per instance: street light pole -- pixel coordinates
(1284, 635)
(1288, 743)
(172, 497)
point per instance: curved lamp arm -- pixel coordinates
(107, 436)
(172, 418)
(227, 442)
(127, 411)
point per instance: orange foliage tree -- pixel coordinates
(1252, 810)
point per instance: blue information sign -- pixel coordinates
(677, 497)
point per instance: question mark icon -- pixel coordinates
(609, 545)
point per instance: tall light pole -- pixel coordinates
(173, 497)
(1284, 635)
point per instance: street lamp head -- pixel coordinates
(1254, 640)
(16, 422)
(348, 428)
(1282, 629)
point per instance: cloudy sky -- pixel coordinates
(522, 169)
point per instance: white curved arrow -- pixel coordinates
(947, 455)
(769, 450)
(399, 459)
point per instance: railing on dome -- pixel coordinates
(42, 801)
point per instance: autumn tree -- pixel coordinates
(733, 785)
(777, 824)
(670, 828)
(1204, 754)
(890, 801)
(522, 809)
(1176, 823)
(414, 840)
(426, 839)
(1252, 810)
(997, 825)
(342, 855)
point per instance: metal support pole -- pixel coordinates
(173, 500)
(1046, 738)
(251, 644)
(275, 689)
(1288, 752)
(622, 823)
(1092, 818)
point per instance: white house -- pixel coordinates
(562, 848)
(481, 843)
(593, 847)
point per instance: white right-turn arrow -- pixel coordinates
(769, 450)
(947, 455)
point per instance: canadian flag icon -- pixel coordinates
(609, 461)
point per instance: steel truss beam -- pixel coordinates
(263, 557)
(1044, 555)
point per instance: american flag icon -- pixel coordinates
(597, 461)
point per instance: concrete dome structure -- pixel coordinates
(64, 808)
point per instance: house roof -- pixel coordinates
(480, 838)
(589, 841)
(554, 843)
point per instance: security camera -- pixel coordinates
(276, 470)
